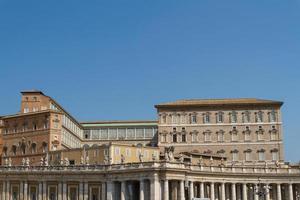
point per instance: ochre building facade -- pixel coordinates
(218, 149)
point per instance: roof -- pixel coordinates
(119, 123)
(218, 102)
(32, 92)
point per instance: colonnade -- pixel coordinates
(187, 190)
(142, 189)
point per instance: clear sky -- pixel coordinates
(105, 60)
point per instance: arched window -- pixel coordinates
(5, 150)
(33, 147)
(45, 147)
(14, 149)
(23, 148)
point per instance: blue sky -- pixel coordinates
(116, 59)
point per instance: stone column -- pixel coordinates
(154, 188)
(166, 189)
(44, 190)
(278, 191)
(59, 191)
(267, 192)
(181, 196)
(291, 196)
(86, 191)
(123, 190)
(201, 190)
(25, 190)
(109, 190)
(3, 190)
(233, 191)
(212, 191)
(103, 191)
(40, 191)
(21, 196)
(245, 197)
(7, 190)
(81, 191)
(142, 189)
(223, 193)
(64, 191)
(255, 191)
(191, 196)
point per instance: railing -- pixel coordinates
(159, 165)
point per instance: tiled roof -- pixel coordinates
(220, 102)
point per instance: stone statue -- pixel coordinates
(87, 160)
(181, 158)
(166, 156)
(211, 161)
(81, 160)
(9, 162)
(46, 160)
(61, 162)
(153, 157)
(67, 162)
(169, 151)
(200, 160)
(27, 162)
(106, 160)
(141, 157)
(23, 161)
(42, 161)
(6, 161)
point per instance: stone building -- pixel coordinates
(219, 149)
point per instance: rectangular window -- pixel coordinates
(206, 118)
(117, 151)
(234, 117)
(121, 133)
(139, 133)
(26, 110)
(194, 137)
(220, 137)
(112, 133)
(207, 137)
(183, 138)
(274, 155)
(247, 156)
(261, 156)
(130, 133)
(220, 117)
(234, 156)
(193, 119)
(148, 132)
